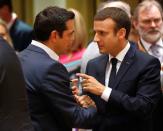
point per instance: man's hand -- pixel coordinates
(85, 101)
(75, 90)
(90, 84)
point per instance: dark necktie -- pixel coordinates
(113, 72)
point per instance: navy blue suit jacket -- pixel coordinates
(21, 35)
(14, 114)
(134, 94)
(52, 105)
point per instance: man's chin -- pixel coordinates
(152, 38)
(101, 52)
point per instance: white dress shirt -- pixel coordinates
(49, 51)
(147, 47)
(106, 94)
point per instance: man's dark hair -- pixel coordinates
(51, 18)
(6, 2)
(119, 16)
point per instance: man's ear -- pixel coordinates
(135, 24)
(121, 33)
(53, 36)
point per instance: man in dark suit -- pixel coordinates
(20, 32)
(148, 20)
(14, 114)
(52, 105)
(123, 82)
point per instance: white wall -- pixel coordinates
(39, 5)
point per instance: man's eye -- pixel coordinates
(101, 33)
(150, 21)
(146, 21)
(157, 20)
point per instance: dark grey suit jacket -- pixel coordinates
(52, 105)
(14, 115)
(134, 94)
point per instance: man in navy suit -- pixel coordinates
(14, 113)
(51, 102)
(123, 82)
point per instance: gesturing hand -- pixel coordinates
(90, 84)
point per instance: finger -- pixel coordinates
(74, 82)
(86, 88)
(74, 92)
(73, 88)
(84, 80)
(84, 76)
(83, 103)
(85, 84)
(84, 97)
(77, 99)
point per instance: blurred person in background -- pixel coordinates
(148, 20)
(92, 50)
(72, 60)
(14, 113)
(20, 32)
(4, 32)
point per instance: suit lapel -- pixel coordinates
(102, 69)
(126, 63)
(100, 76)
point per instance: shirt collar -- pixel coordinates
(147, 45)
(122, 53)
(49, 51)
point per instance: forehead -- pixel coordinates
(104, 24)
(149, 13)
(70, 24)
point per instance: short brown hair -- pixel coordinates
(119, 16)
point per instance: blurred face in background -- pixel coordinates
(5, 13)
(149, 24)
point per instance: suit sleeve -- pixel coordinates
(56, 90)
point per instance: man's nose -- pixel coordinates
(96, 38)
(153, 24)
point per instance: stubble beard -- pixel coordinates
(152, 35)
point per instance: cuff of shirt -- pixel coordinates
(106, 94)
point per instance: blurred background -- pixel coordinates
(27, 9)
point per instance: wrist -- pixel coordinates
(102, 90)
